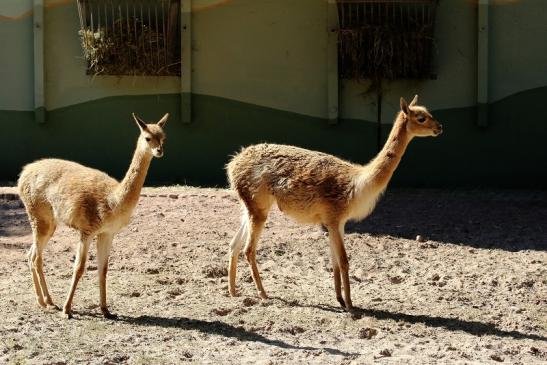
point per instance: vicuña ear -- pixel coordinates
(140, 123)
(163, 120)
(404, 105)
(414, 101)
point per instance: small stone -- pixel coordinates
(221, 311)
(420, 238)
(385, 352)
(215, 271)
(496, 357)
(396, 279)
(135, 294)
(173, 196)
(248, 302)
(152, 271)
(435, 277)
(174, 292)
(367, 333)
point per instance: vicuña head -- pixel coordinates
(316, 188)
(420, 123)
(152, 136)
(88, 200)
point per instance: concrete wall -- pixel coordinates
(259, 73)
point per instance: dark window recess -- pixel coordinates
(389, 39)
(130, 37)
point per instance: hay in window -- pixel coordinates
(141, 39)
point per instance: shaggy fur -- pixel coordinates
(58, 191)
(317, 188)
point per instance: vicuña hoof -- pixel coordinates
(108, 315)
(341, 301)
(66, 314)
(53, 306)
(41, 302)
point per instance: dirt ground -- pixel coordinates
(474, 292)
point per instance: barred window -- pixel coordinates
(130, 37)
(386, 39)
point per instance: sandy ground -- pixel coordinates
(475, 292)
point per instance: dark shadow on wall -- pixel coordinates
(501, 219)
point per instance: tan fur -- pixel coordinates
(88, 200)
(314, 187)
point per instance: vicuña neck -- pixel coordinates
(129, 190)
(381, 168)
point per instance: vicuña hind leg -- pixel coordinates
(255, 229)
(42, 230)
(235, 248)
(79, 268)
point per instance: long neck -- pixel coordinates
(128, 192)
(381, 168)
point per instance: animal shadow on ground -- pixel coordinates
(475, 328)
(222, 329)
(13, 218)
(508, 220)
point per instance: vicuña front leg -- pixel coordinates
(235, 248)
(42, 232)
(340, 256)
(336, 274)
(104, 245)
(79, 268)
(256, 226)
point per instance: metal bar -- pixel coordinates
(151, 57)
(128, 33)
(105, 22)
(164, 33)
(332, 63)
(157, 36)
(482, 63)
(39, 64)
(186, 61)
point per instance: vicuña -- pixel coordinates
(317, 188)
(59, 191)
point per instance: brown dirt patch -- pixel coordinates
(474, 291)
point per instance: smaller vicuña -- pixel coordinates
(88, 200)
(316, 188)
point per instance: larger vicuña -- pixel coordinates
(316, 188)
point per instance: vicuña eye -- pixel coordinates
(147, 139)
(421, 119)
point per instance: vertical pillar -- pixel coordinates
(39, 71)
(482, 63)
(186, 61)
(332, 62)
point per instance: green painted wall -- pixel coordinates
(259, 74)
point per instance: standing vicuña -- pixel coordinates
(316, 188)
(58, 191)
